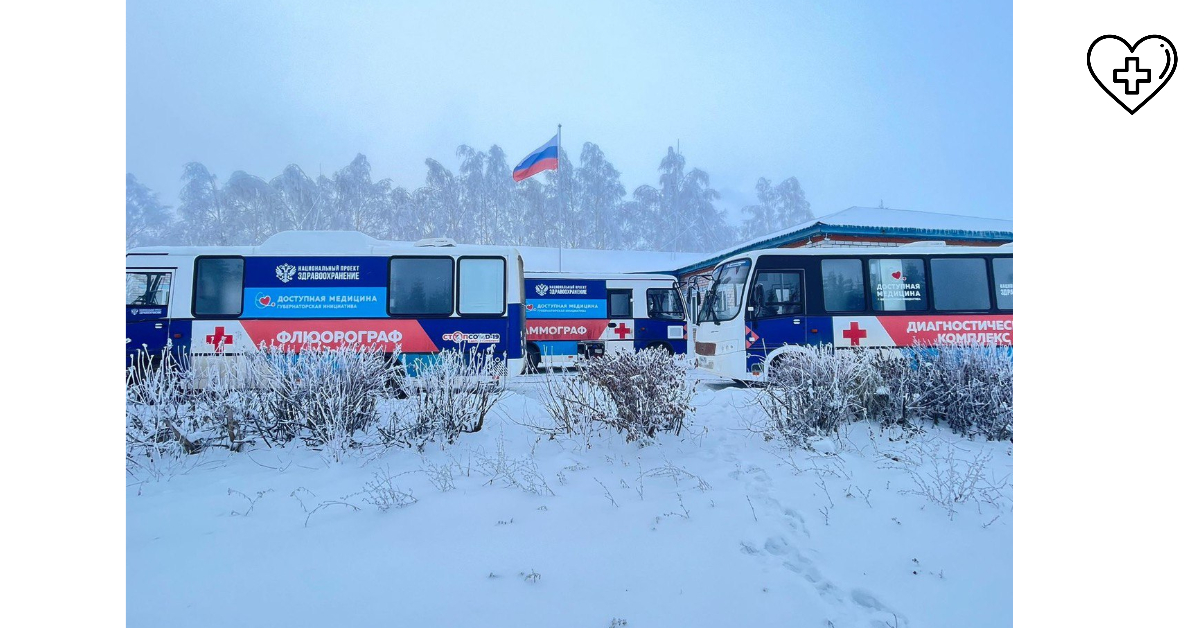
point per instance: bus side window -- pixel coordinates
(218, 289)
(421, 286)
(778, 293)
(481, 285)
(663, 303)
(147, 289)
(1002, 272)
(960, 283)
(842, 285)
(620, 303)
(898, 285)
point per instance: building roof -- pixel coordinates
(874, 221)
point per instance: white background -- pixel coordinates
(1105, 211)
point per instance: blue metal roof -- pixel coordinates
(859, 221)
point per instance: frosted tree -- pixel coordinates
(254, 203)
(472, 192)
(205, 218)
(403, 220)
(438, 202)
(647, 222)
(499, 198)
(793, 206)
(359, 204)
(584, 206)
(147, 221)
(532, 204)
(778, 208)
(563, 205)
(687, 218)
(600, 193)
(300, 199)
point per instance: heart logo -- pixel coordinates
(896, 275)
(264, 300)
(1132, 75)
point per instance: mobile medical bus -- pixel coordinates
(324, 290)
(572, 315)
(762, 304)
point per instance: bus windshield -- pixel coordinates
(724, 298)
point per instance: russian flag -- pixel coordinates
(544, 158)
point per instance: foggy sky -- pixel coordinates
(862, 102)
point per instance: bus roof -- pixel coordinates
(598, 276)
(320, 243)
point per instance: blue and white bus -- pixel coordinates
(763, 304)
(572, 315)
(324, 290)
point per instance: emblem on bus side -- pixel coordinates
(285, 272)
(541, 289)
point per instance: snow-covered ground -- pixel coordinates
(714, 528)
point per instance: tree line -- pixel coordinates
(582, 205)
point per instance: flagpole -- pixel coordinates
(560, 195)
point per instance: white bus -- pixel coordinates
(762, 304)
(572, 315)
(324, 290)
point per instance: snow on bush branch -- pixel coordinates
(332, 400)
(815, 391)
(639, 394)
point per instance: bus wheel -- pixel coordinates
(533, 356)
(661, 345)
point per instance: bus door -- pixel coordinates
(775, 313)
(619, 334)
(147, 327)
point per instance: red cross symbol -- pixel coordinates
(621, 330)
(218, 339)
(854, 333)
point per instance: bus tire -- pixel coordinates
(661, 345)
(533, 356)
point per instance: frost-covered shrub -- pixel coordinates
(969, 388)
(576, 406)
(814, 390)
(322, 396)
(950, 475)
(885, 386)
(446, 396)
(159, 413)
(809, 392)
(642, 393)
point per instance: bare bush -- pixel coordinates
(809, 393)
(639, 394)
(969, 388)
(160, 414)
(576, 406)
(505, 470)
(813, 391)
(445, 397)
(950, 476)
(382, 492)
(885, 388)
(323, 396)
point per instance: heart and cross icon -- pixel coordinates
(1132, 74)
